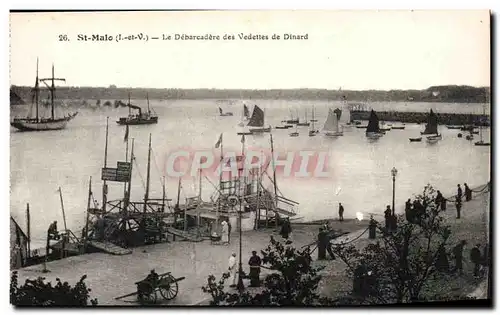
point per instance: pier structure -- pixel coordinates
(421, 117)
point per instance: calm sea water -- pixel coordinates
(41, 162)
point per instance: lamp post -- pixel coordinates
(394, 172)
(240, 285)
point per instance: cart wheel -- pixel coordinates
(168, 287)
(147, 294)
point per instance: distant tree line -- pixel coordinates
(445, 93)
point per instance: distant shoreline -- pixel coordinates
(441, 94)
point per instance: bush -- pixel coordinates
(293, 281)
(38, 293)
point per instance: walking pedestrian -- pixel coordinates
(458, 205)
(341, 212)
(232, 269)
(475, 257)
(286, 229)
(457, 253)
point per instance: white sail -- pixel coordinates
(331, 123)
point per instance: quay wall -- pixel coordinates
(419, 117)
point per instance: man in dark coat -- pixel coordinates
(387, 216)
(439, 200)
(442, 263)
(229, 230)
(468, 192)
(52, 231)
(475, 257)
(341, 212)
(254, 262)
(321, 244)
(286, 229)
(457, 253)
(458, 205)
(459, 192)
(408, 211)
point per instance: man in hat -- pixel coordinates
(457, 253)
(232, 269)
(459, 192)
(254, 262)
(341, 212)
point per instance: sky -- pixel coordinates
(354, 50)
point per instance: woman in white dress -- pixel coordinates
(225, 233)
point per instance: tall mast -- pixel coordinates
(274, 170)
(164, 195)
(128, 103)
(37, 90)
(178, 193)
(52, 92)
(127, 199)
(220, 182)
(148, 174)
(85, 236)
(105, 185)
(147, 99)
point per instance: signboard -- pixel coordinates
(108, 174)
(123, 171)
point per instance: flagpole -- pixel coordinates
(126, 158)
(240, 285)
(220, 183)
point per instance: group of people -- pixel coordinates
(255, 263)
(479, 260)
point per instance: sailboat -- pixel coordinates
(331, 126)
(305, 123)
(431, 128)
(245, 116)
(313, 131)
(373, 129)
(224, 114)
(38, 123)
(291, 120)
(146, 118)
(257, 120)
(295, 133)
(481, 142)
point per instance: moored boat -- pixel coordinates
(419, 139)
(373, 129)
(41, 123)
(331, 126)
(257, 121)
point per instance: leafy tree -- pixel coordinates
(38, 293)
(402, 261)
(294, 281)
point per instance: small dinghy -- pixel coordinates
(419, 139)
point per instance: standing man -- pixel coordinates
(459, 192)
(321, 244)
(229, 231)
(468, 192)
(232, 269)
(475, 257)
(341, 212)
(458, 204)
(254, 263)
(387, 216)
(457, 253)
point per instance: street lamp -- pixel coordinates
(240, 284)
(394, 172)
